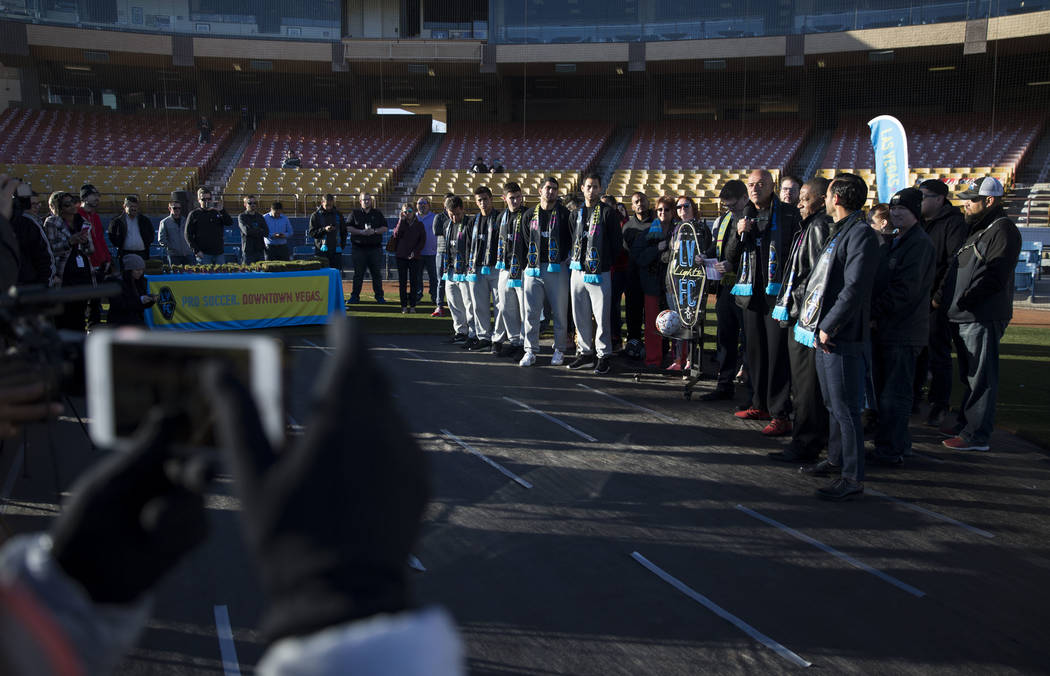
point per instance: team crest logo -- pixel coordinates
(592, 260)
(534, 256)
(166, 303)
(515, 267)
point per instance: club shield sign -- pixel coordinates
(687, 276)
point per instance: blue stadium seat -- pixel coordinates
(232, 253)
(231, 236)
(300, 252)
(156, 251)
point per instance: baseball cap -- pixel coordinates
(987, 186)
(910, 199)
(934, 185)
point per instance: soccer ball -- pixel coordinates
(634, 349)
(668, 323)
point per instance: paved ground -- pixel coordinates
(626, 530)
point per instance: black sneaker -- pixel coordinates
(469, 343)
(791, 454)
(497, 349)
(480, 344)
(822, 468)
(602, 367)
(514, 352)
(457, 338)
(582, 361)
(841, 489)
(717, 394)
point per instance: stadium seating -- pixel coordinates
(701, 185)
(533, 145)
(108, 139)
(384, 143)
(303, 187)
(952, 148)
(715, 144)
(153, 185)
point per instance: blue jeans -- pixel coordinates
(430, 266)
(894, 368)
(211, 259)
(977, 347)
(841, 375)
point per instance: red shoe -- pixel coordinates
(677, 366)
(778, 428)
(960, 444)
(438, 312)
(753, 414)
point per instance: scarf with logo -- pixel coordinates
(589, 227)
(481, 253)
(532, 268)
(809, 314)
(749, 261)
(510, 237)
(457, 244)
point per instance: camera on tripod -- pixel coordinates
(30, 340)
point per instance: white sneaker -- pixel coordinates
(528, 360)
(557, 359)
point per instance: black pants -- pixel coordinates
(335, 259)
(619, 284)
(409, 272)
(370, 258)
(936, 359)
(768, 366)
(635, 303)
(727, 339)
(809, 435)
(277, 252)
(429, 262)
(894, 370)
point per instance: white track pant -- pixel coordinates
(554, 286)
(509, 314)
(481, 292)
(457, 297)
(587, 300)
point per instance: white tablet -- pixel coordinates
(130, 370)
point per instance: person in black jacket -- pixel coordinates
(597, 241)
(766, 235)
(900, 314)
(37, 263)
(634, 297)
(131, 232)
(328, 231)
(835, 319)
(809, 430)
(729, 315)
(548, 240)
(649, 257)
(204, 228)
(129, 306)
(981, 284)
(254, 231)
(367, 227)
(946, 226)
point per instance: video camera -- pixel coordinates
(30, 340)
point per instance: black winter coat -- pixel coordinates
(981, 281)
(900, 298)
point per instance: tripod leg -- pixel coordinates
(80, 420)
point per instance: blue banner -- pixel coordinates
(891, 155)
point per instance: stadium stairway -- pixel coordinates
(414, 169)
(1033, 185)
(614, 151)
(812, 153)
(220, 175)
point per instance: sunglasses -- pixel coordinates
(681, 206)
(408, 211)
(661, 209)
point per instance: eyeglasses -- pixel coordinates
(682, 206)
(661, 209)
(408, 211)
